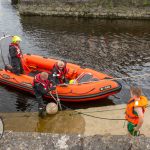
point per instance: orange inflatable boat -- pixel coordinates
(88, 84)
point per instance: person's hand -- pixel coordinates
(53, 88)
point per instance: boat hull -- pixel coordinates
(90, 90)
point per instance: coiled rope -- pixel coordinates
(102, 118)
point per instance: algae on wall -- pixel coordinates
(87, 8)
(104, 3)
(14, 2)
(146, 3)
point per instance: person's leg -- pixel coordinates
(20, 66)
(15, 65)
(41, 105)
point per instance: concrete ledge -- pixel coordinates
(70, 130)
(45, 141)
(87, 122)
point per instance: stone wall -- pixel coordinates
(45, 141)
(14, 2)
(134, 9)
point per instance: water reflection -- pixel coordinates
(119, 48)
(22, 102)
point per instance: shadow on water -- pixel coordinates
(84, 105)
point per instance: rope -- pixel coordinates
(111, 79)
(104, 110)
(83, 113)
(144, 75)
(103, 118)
(24, 63)
(57, 100)
(77, 112)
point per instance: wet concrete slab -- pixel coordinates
(108, 120)
(71, 130)
(108, 126)
(62, 122)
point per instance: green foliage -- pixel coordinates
(146, 3)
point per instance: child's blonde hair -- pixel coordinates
(136, 91)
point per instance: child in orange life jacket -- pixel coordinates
(135, 111)
(15, 55)
(59, 72)
(41, 86)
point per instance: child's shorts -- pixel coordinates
(131, 127)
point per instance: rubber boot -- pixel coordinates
(42, 112)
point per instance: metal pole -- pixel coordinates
(57, 101)
(2, 38)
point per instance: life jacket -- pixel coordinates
(60, 73)
(45, 83)
(18, 50)
(130, 114)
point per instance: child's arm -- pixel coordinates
(141, 117)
